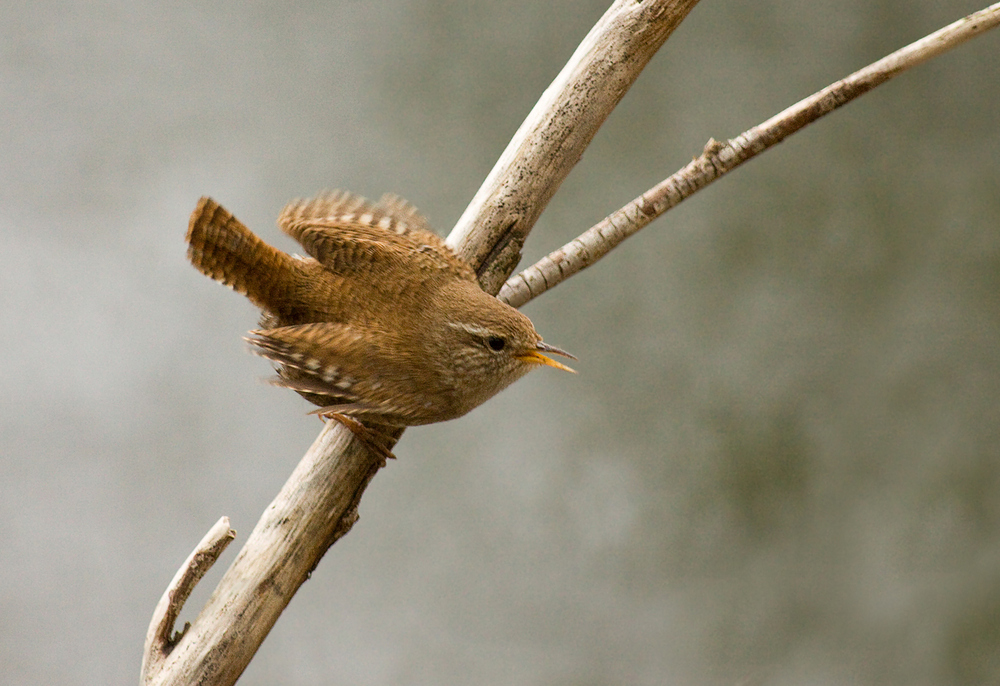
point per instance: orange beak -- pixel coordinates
(536, 357)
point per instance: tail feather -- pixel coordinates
(221, 247)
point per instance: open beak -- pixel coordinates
(536, 357)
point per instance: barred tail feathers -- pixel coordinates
(222, 248)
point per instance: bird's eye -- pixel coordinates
(496, 343)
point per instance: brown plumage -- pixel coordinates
(382, 322)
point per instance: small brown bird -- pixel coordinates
(382, 324)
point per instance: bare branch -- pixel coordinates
(316, 506)
(720, 158)
(159, 638)
(319, 502)
(493, 228)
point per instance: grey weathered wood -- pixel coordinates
(160, 639)
(720, 158)
(493, 228)
(316, 506)
(319, 502)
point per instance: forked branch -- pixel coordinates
(319, 502)
(719, 158)
(160, 639)
(493, 228)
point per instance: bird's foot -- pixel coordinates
(375, 441)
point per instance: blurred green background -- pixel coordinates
(778, 464)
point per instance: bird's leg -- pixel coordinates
(376, 441)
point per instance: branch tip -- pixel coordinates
(161, 637)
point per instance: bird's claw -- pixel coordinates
(373, 440)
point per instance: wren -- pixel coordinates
(382, 325)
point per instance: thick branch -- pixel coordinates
(317, 506)
(319, 502)
(493, 228)
(720, 158)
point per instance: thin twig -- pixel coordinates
(160, 638)
(720, 158)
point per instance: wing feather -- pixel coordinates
(331, 364)
(346, 233)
